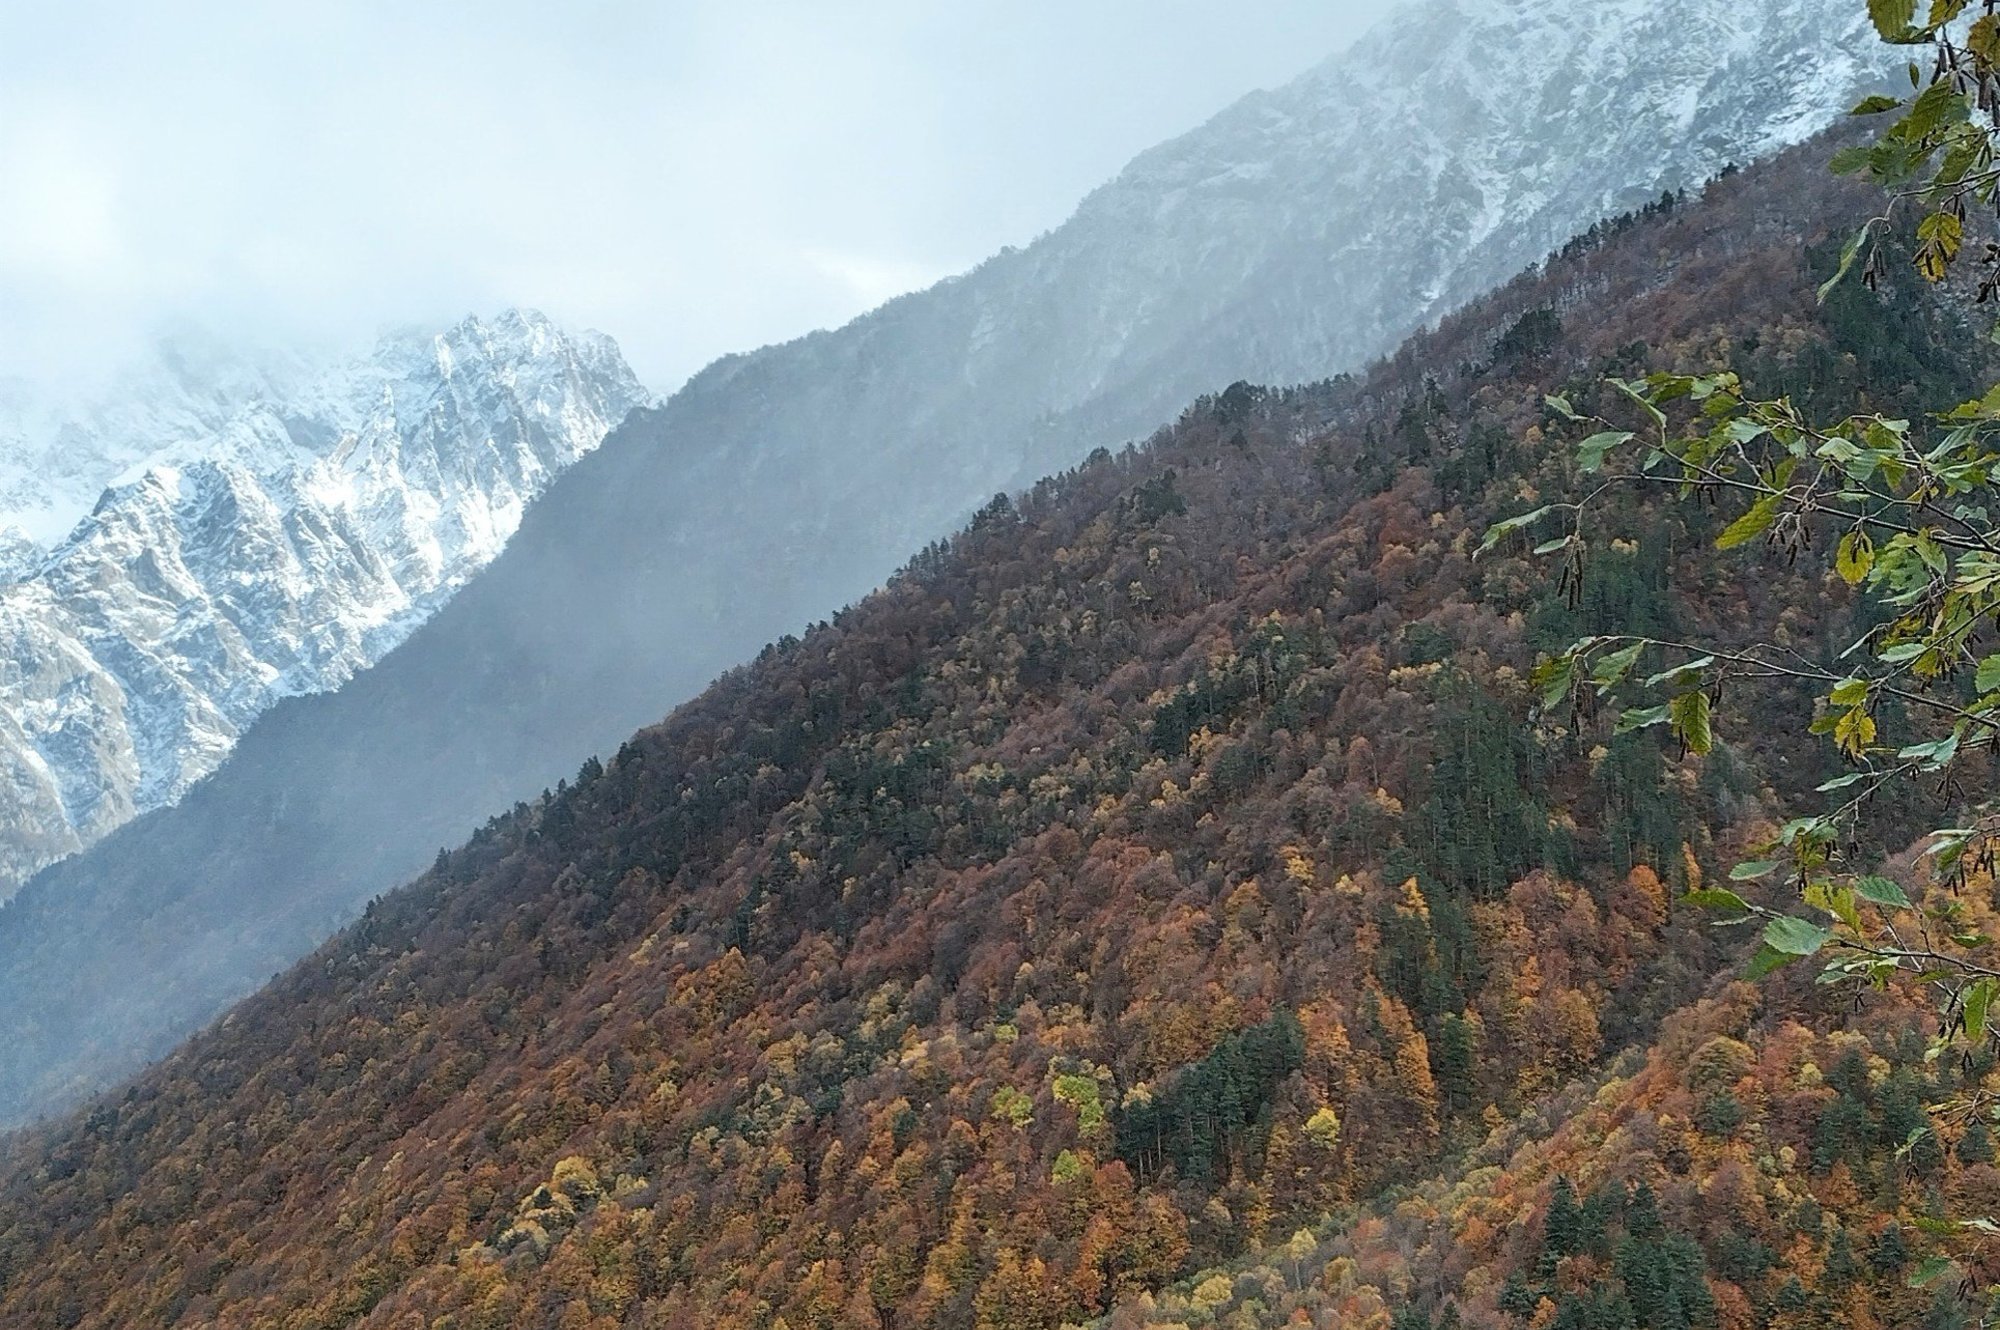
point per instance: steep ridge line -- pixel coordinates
(1162, 860)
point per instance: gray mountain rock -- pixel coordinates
(263, 551)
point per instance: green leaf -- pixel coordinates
(1692, 667)
(1560, 404)
(1752, 524)
(1893, 19)
(1936, 106)
(1689, 716)
(1502, 529)
(1882, 891)
(1854, 558)
(1944, 11)
(1716, 898)
(1983, 40)
(1613, 668)
(1641, 718)
(1977, 999)
(1987, 680)
(1591, 452)
(1754, 869)
(1874, 105)
(1848, 254)
(1556, 678)
(1794, 936)
(1767, 959)
(1836, 901)
(1935, 755)
(1849, 693)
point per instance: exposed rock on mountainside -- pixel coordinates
(1292, 237)
(267, 553)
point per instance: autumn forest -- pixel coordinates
(1163, 905)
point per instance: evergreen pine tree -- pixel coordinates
(1976, 1145)
(1890, 1252)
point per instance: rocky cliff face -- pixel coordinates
(267, 553)
(1295, 236)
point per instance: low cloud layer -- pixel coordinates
(693, 177)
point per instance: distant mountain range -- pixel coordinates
(1297, 235)
(267, 533)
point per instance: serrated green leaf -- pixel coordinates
(1938, 105)
(1983, 39)
(1973, 1005)
(1556, 678)
(1795, 936)
(1751, 525)
(1882, 891)
(1591, 452)
(1754, 869)
(1987, 680)
(1561, 406)
(1873, 105)
(1854, 558)
(1613, 668)
(1934, 755)
(1767, 959)
(1848, 254)
(1641, 396)
(1641, 718)
(1849, 692)
(1689, 716)
(1502, 529)
(1677, 671)
(1836, 901)
(1716, 898)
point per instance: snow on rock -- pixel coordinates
(259, 551)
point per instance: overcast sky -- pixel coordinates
(691, 176)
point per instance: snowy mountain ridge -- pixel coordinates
(1431, 161)
(60, 448)
(294, 543)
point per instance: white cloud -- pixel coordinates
(693, 177)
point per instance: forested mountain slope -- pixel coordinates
(1162, 863)
(1768, 1162)
(1299, 233)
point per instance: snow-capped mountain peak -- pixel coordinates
(261, 549)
